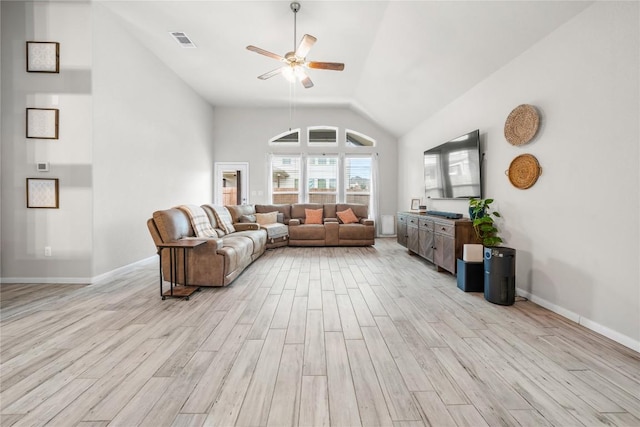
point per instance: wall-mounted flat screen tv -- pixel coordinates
(452, 170)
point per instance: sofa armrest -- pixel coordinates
(294, 221)
(366, 221)
(214, 242)
(244, 226)
(326, 220)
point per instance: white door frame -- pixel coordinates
(219, 168)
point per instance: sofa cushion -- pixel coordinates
(238, 211)
(267, 218)
(347, 217)
(223, 217)
(354, 232)
(307, 232)
(258, 237)
(172, 224)
(313, 216)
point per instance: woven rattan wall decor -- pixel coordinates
(524, 171)
(521, 124)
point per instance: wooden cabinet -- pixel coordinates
(436, 239)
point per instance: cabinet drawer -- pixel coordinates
(402, 218)
(425, 224)
(445, 228)
(412, 221)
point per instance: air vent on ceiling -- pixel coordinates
(182, 39)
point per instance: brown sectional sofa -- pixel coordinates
(216, 263)
(331, 232)
(224, 257)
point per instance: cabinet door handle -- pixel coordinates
(443, 229)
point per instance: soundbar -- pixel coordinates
(450, 215)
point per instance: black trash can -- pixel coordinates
(500, 275)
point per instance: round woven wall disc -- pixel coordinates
(521, 125)
(524, 171)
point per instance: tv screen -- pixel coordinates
(452, 170)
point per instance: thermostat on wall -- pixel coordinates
(42, 166)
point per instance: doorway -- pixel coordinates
(231, 183)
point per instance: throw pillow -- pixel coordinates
(347, 217)
(267, 218)
(313, 216)
(223, 217)
(248, 218)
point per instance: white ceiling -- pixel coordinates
(405, 60)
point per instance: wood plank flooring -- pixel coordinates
(305, 336)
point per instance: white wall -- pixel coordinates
(152, 144)
(134, 138)
(26, 232)
(576, 230)
(242, 135)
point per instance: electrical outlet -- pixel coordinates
(47, 251)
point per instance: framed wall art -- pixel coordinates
(42, 123)
(42, 193)
(415, 204)
(43, 57)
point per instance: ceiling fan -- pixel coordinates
(295, 62)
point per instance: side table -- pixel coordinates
(176, 291)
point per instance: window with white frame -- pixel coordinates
(290, 137)
(357, 139)
(305, 177)
(285, 178)
(357, 179)
(322, 178)
(322, 136)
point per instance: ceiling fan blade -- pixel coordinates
(305, 80)
(265, 53)
(336, 66)
(305, 45)
(271, 73)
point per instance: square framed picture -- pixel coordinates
(43, 57)
(42, 193)
(42, 123)
(415, 204)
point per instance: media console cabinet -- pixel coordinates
(437, 239)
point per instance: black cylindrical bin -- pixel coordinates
(500, 275)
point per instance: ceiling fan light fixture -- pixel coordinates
(296, 61)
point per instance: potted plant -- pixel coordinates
(482, 215)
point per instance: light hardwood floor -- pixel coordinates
(305, 336)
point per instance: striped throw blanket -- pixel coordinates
(199, 221)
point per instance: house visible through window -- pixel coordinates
(285, 174)
(358, 179)
(322, 173)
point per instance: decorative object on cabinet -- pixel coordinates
(42, 166)
(415, 204)
(521, 125)
(42, 193)
(42, 123)
(43, 57)
(483, 223)
(524, 171)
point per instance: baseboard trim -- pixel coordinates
(101, 278)
(587, 323)
(121, 270)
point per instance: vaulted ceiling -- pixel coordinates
(405, 60)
